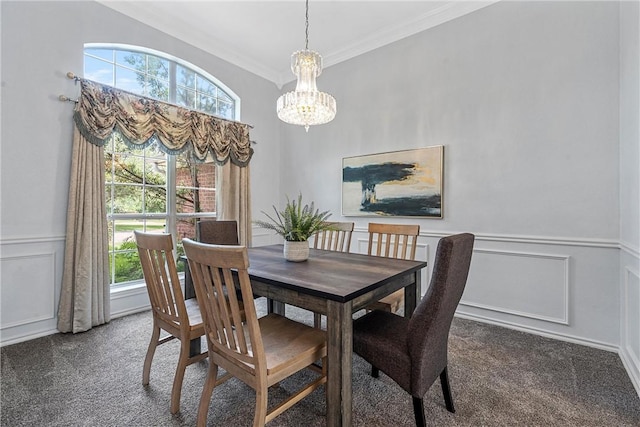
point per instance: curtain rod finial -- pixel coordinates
(70, 75)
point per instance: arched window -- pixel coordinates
(146, 188)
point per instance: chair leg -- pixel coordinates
(146, 370)
(375, 372)
(207, 391)
(446, 390)
(418, 411)
(262, 394)
(183, 361)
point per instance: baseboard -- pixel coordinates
(28, 337)
(633, 370)
(543, 333)
(134, 310)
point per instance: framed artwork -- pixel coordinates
(400, 183)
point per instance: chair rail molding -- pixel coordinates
(512, 238)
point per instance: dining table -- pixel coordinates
(335, 284)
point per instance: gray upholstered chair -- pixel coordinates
(413, 352)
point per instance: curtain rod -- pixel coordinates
(72, 76)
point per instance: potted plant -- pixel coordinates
(296, 223)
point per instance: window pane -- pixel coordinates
(127, 263)
(131, 60)
(127, 198)
(158, 67)
(155, 199)
(124, 262)
(186, 228)
(206, 104)
(224, 97)
(130, 81)
(128, 168)
(206, 87)
(186, 98)
(195, 200)
(158, 89)
(195, 186)
(226, 110)
(106, 54)
(185, 77)
(98, 70)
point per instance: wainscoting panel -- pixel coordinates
(29, 295)
(524, 284)
(632, 313)
(630, 345)
(30, 281)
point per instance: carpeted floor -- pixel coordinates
(499, 377)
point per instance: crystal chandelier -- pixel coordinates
(306, 106)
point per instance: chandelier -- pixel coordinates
(306, 106)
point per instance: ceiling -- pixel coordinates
(260, 36)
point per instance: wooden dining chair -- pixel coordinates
(180, 318)
(392, 241)
(413, 351)
(259, 352)
(337, 238)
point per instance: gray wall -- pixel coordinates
(526, 99)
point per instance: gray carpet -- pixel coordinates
(499, 377)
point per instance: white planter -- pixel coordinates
(296, 251)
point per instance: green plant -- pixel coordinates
(296, 223)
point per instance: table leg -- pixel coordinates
(274, 306)
(412, 295)
(339, 354)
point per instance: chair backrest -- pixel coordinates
(338, 238)
(429, 326)
(393, 240)
(160, 275)
(215, 270)
(217, 232)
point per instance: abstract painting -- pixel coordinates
(399, 183)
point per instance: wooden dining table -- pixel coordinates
(335, 284)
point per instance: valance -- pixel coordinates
(103, 110)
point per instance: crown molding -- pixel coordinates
(180, 28)
(388, 35)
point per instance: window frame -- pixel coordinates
(171, 215)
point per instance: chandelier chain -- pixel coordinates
(306, 38)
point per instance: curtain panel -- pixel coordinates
(85, 298)
(101, 111)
